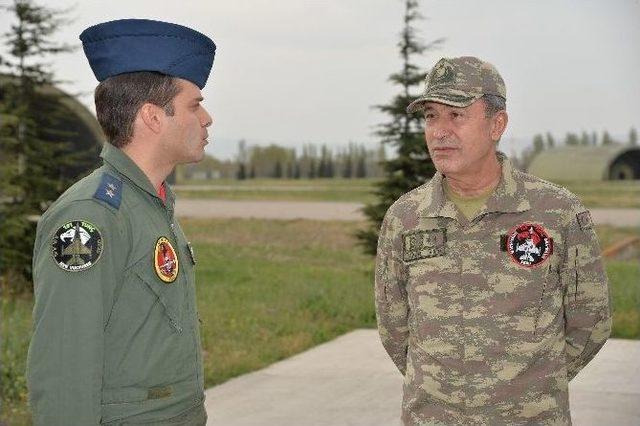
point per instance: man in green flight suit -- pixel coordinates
(115, 338)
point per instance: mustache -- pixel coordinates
(445, 143)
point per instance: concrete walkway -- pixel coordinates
(350, 381)
(328, 210)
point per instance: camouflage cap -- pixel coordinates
(459, 82)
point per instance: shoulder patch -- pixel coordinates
(76, 246)
(584, 220)
(109, 190)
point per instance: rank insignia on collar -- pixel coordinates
(529, 245)
(76, 246)
(165, 260)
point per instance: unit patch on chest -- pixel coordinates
(76, 246)
(423, 244)
(529, 245)
(165, 260)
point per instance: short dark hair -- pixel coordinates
(119, 98)
(493, 104)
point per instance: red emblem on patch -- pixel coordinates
(529, 245)
(165, 260)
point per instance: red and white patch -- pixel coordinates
(529, 245)
(165, 260)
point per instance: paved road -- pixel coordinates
(350, 381)
(326, 210)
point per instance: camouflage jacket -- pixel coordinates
(488, 319)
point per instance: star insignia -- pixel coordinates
(110, 193)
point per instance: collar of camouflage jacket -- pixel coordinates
(509, 196)
(126, 167)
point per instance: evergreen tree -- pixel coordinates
(38, 160)
(277, 170)
(538, 143)
(633, 137)
(551, 142)
(412, 166)
(571, 139)
(584, 138)
(606, 138)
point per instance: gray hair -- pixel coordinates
(493, 104)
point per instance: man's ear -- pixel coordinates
(499, 124)
(152, 117)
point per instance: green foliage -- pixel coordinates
(38, 161)
(412, 166)
(15, 332)
(607, 139)
(633, 137)
(625, 298)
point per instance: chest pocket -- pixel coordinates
(169, 296)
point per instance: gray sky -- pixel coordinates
(296, 71)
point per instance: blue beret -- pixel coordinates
(130, 45)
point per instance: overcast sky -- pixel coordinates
(296, 71)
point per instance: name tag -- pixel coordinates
(424, 244)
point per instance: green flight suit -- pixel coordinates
(113, 343)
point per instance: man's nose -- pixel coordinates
(440, 130)
(207, 120)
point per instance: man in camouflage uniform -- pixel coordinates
(116, 337)
(490, 291)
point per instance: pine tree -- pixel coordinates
(38, 160)
(606, 139)
(633, 137)
(412, 166)
(551, 142)
(538, 143)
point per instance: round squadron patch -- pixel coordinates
(76, 246)
(529, 245)
(165, 260)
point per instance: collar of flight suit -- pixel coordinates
(508, 197)
(126, 167)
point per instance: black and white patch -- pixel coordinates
(76, 246)
(529, 245)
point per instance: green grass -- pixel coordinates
(612, 194)
(352, 190)
(270, 289)
(278, 286)
(15, 330)
(624, 279)
(609, 235)
(606, 193)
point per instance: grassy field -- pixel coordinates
(270, 289)
(593, 194)
(606, 193)
(353, 190)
